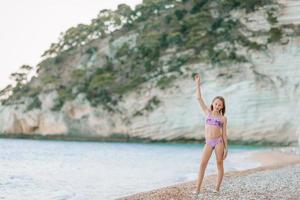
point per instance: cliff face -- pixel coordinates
(261, 98)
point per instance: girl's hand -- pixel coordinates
(225, 153)
(197, 78)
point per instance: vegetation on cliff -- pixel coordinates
(192, 30)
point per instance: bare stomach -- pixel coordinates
(212, 132)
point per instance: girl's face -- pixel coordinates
(217, 105)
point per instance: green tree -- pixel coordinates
(4, 93)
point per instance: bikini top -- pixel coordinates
(214, 121)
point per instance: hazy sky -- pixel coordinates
(29, 27)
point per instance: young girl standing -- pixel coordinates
(215, 136)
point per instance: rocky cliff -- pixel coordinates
(261, 94)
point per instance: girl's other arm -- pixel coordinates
(225, 137)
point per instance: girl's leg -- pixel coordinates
(207, 150)
(219, 149)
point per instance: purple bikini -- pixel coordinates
(217, 122)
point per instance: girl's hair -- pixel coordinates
(222, 111)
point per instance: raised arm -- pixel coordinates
(199, 95)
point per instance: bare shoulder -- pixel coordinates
(207, 112)
(224, 118)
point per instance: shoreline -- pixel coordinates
(271, 161)
(127, 139)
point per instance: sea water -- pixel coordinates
(58, 170)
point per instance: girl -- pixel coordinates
(215, 136)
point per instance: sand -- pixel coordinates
(278, 177)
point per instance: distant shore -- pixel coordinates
(277, 178)
(126, 138)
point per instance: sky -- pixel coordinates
(29, 27)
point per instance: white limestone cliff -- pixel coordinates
(261, 102)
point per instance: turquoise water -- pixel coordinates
(34, 169)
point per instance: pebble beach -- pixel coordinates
(278, 177)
